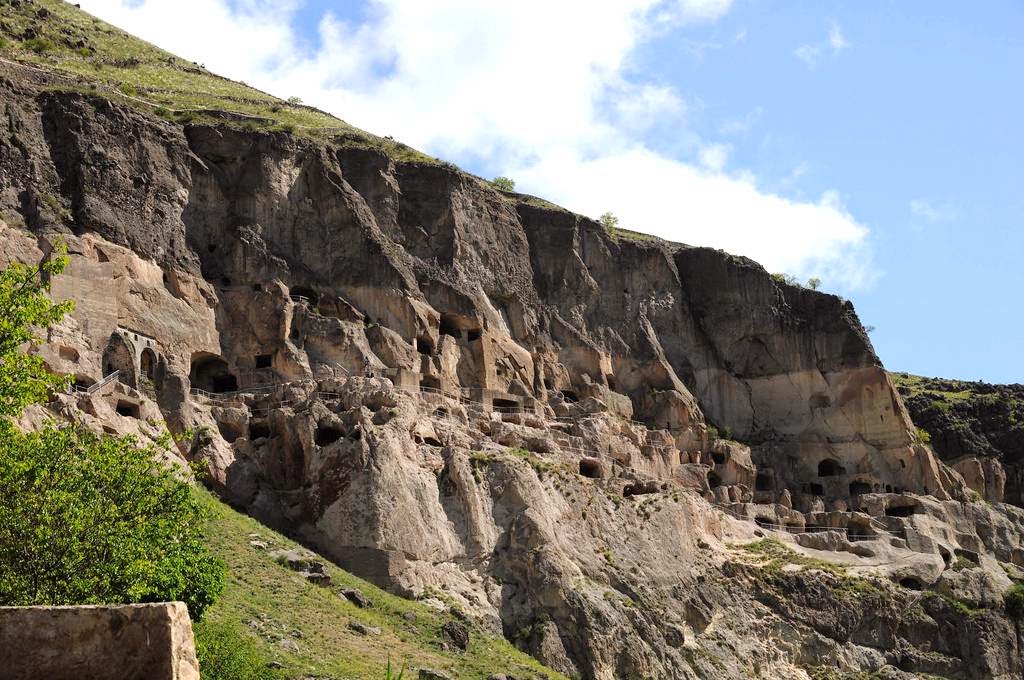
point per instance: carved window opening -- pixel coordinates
(590, 467)
(859, 487)
(830, 468)
(127, 409)
(327, 434)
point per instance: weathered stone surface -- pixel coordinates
(449, 389)
(117, 642)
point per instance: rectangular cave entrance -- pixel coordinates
(127, 408)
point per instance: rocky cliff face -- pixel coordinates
(461, 392)
(977, 428)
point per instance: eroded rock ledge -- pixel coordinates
(456, 391)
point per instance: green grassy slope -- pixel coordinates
(91, 55)
(277, 605)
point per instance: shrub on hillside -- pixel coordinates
(227, 652)
(1013, 602)
(503, 184)
(85, 517)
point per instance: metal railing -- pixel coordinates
(96, 386)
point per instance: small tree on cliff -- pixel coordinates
(85, 518)
(503, 183)
(608, 221)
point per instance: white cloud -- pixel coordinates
(715, 156)
(808, 54)
(836, 40)
(554, 104)
(811, 53)
(927, 211)
(741, 125)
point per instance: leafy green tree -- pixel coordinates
(608, 221)
(227, 652)
(85, 517)
(25, 308)
(503, 183)
(814, 283)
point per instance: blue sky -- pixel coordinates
(876, 145)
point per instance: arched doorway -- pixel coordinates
(830, 468)
(211, 373)
(147, 363)
(120, 356)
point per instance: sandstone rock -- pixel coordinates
(100, 642)
(456, 633)
(356, 597)
(456, 323)
(431, 674)
(363, 629)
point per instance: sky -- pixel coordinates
(875, 145)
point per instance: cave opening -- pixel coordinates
(637, 489)
(327, 434)
(264, 360)
(763, 482)
(429, 382)
(590, 467)
(830, 467)
(82, 382)
(228, 431)
(304, 293)
(714, 480)
(719, 457)
(473, 334)
(506, 404)
(147, 363)
(968, 555)
(859, 487)
(449, 326)
(259, 430)
(764, 522)
(570, 397)
(127, 409)
(901, 511)
(911, 583)
(211, 373)
(119, 356)
(424, 346)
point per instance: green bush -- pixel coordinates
(503, 184)
(608, 221)
(1013, 602)
(88, 519)
(85, 518)
(227, 652)
(39, 45)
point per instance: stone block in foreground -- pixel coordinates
(103, 642)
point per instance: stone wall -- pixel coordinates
(121, 642)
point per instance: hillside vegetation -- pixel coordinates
(314, 630)
(963, 418)
(95, 57)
